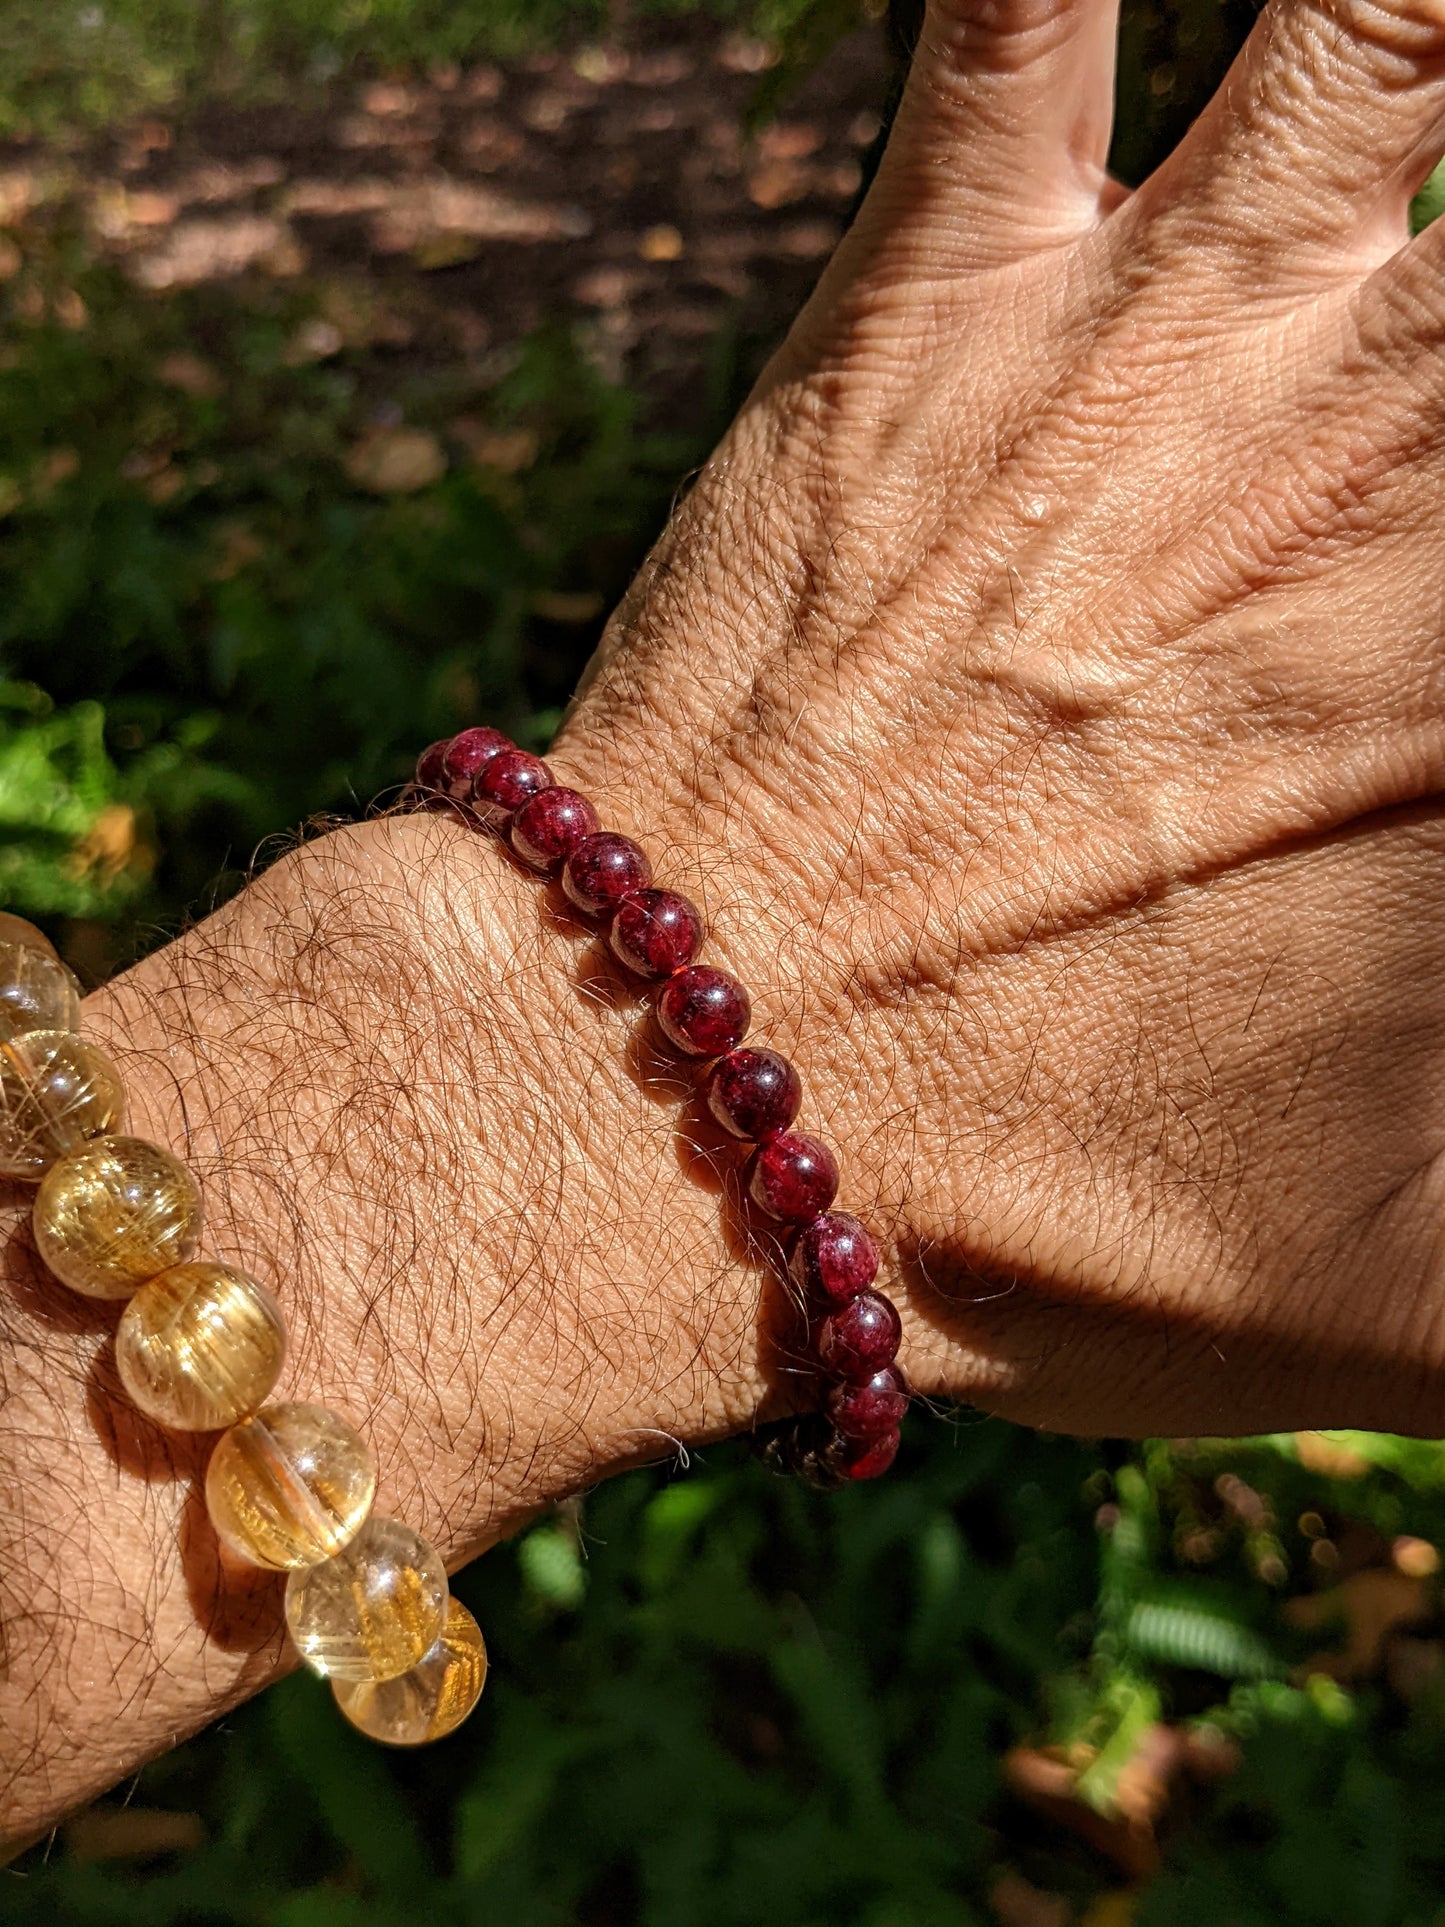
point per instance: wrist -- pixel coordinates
(417, 1116)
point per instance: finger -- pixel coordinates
(1003, 131)
(1325, 126)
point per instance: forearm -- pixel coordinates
(417, 1111)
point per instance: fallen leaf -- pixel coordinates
(508, 450)
(560, 605)
(1371, 1604)
(1415, 1557)
(210, 250)
(445, 250)
(1016, 1902)
(110, 846)
(147, 209)
(661, 243)
(1116, 1909)
(239, 546)
(1318, 1452)
(789, 140)
(70, 310)
(132, 1833)
(315, 340)
(51, 469)
(397, 461)
(166, 483)
(190, 374)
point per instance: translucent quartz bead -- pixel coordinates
(290, 1486)
(37, 992)
(374, 1610)
(429, 1701)
(200, 1346)
(114, 1214)
(56, 1092)
(15, 929)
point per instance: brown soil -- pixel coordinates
(618, 188)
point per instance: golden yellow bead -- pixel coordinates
(111, 1216)
(374, 1610)
(200, 1346)
(429, 1701)
(37, 992)
(56, 1093)
(19, 930)
(290, 1486)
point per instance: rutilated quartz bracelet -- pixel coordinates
(199, 1348)
(485, 782)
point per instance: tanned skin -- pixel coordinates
(1043, 692)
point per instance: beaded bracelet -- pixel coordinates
(199, 1347)
(483, 780)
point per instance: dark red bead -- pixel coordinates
(429, 764)
(509, 780)
(860, 1338)
(467, 755)
(704, 1011)
(754, 1093)
(602, 870)
(794, 1177)
(869, 1410)
(656, 932)
(547, 829)
(868, 1458)
(834, 1259)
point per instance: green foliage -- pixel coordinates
(186, 557)
(86, 63)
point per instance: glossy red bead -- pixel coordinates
(794, 1177)
(754, 1093)
(656, 932)
(860, 1338)
(703, 1011)
(869, 1410)
(602, 870)
(547, 829)
(467, 755)
(510, 779)
(868, 1458)
(429, 764)
(834, 1259)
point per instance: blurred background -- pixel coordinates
(352, 352)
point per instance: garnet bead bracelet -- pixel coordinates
(200, 1347)
(754, 1093)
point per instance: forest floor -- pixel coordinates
(447, 215)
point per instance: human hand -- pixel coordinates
(1038, 692)
(1044, 681)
